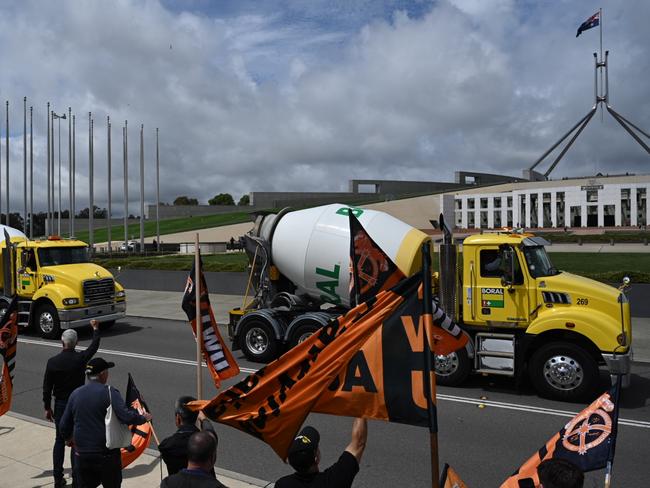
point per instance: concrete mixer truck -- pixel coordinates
(56, 285)
(525, 318)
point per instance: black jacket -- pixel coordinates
(191, 479)
(65, 372)
(173, 449)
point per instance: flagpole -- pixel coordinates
(199, 323)
(427, 313)
(614, 433)
(600, 23)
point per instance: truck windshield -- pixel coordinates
(539, 264)
(54, 256)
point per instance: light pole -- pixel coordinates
(157, 194)
(25, 164)
(73, 208)
(141, 188)
(31, 172)
(125, 149)
(108, 128)
(7, 162)
(58, 117)
(70, 216)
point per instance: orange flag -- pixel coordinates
(450, 478)
(141, 434)
(367, 363)
(8, 340)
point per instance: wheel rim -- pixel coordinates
(3, 311)
(46, 322)
(446, 365)
(304, 336)
(563, 372)
(257, 340)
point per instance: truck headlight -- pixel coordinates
(48, 278)
(70, 301)
(120, 294)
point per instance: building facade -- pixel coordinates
(603, 201)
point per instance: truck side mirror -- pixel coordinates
(508, 266)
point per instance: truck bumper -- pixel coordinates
(620, 365)
(79, 317)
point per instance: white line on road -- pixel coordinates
(450, 398)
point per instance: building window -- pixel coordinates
(497, 202)
(470, 203)
(470, 220)
(497, 219)
(484, 202)
(509, 202)
(459, 204)
(641, 217)
(592, 196)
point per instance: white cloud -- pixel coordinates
(293, 99)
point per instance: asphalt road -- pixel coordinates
(235, 284)
(484, 444)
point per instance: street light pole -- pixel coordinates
(31, 172)
(108, 128)
(7, 163)
(70, 216)
(141, 188)
(91, 177)
(25, 165)
(157, 194)
(73, 208)
(125, 148)
(48, 229)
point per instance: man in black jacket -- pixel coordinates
(201, 456)
(83, 425)
(173, 449)
(64, 374)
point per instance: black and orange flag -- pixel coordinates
(8, 341)
(141, 434)
(588, 441)
(221, 363)
(372, 270)
(450, 479)
(366, 363)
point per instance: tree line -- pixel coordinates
(220, 199)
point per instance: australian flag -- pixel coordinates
(593, 21)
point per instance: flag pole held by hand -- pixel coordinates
(199, 324)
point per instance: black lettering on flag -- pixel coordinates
(358, 374)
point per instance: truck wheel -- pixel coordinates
(563, 371)
(303, 332)
(258, 341)
(452, 369)
(47, 321)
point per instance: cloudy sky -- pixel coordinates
(291, 95)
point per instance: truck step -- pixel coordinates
(495, 354)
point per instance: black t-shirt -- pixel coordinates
(339, 475)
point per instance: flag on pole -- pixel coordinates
(588, 441)
(221, 363)
(450, 479)
(141, 434)
(593, 21)
(8, 341)
(366, 363)
(372, 270)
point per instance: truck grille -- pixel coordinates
(556, 297)
(99, 290)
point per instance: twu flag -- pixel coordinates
(372, 270)
(8, 341)
(218, 357)
(141, 434)
(588, 441)
(369, 362)
(592, 21)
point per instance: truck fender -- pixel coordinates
(54, 294)
(320, 318)
(268, 316)
(594, 326)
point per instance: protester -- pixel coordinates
(83, 426)
(64, 374)
(304, 457)
(173, 449)
(201, 456)
(559, 473)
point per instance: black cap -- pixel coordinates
(302, 451)
(97, 365)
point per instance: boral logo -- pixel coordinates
(329, 284)
(492, 297)
(346, 210)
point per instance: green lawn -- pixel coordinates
(168, 226)
(606, 267)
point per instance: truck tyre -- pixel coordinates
(452, 369)
(258, 341)
(47, 321)
(4, 306)
(563, 371)
(303, 332)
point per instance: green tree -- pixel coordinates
(183, 200)
(222, 199)
(244, 200)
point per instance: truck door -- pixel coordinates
(498, 304)
(26, 269)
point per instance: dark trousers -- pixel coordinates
(58, 452)
(103, 469)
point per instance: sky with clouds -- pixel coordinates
(289, 95)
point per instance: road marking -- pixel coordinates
(450, 398)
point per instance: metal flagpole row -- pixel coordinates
(108, 129)
(141, 187)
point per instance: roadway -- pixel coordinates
(487, 428)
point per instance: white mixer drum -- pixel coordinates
(312, 248)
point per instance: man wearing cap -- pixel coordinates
(83, 426)
(64, 374)
(304, 457)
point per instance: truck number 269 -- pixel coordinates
(582, 301)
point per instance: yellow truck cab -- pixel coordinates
(526, 316)
(57, 286)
